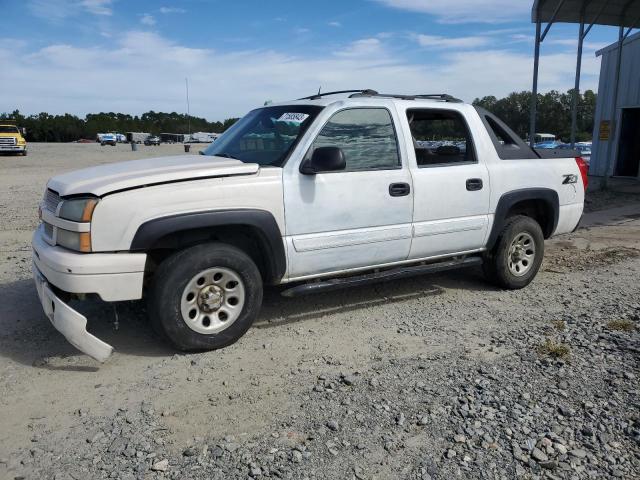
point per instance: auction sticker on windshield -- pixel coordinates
(293, 117)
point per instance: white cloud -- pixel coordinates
(521, 37)
(51, 10)
(132, 75)
(503, 31)
(434, 41)
(461, 11)
(12, 43)
(57, 10)
(148, 19)
(573, 43)
(167, 10)
(334, 24)
(367, 47)
(97, 7)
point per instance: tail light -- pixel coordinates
(584, 171)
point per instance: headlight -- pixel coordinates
(79, 241)
(78, 209)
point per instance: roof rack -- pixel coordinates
(365, 92)
(443, 97)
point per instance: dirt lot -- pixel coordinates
(426, 378)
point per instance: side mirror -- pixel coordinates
(324, 159)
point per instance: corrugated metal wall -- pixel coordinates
(628, 96)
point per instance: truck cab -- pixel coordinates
(12, 139)
(310, 195)
(108, 139)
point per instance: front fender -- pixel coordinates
(260, 221)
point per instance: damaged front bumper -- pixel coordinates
(70, 323)
(113, 277)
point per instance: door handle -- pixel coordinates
(474, 184)
(399, 189)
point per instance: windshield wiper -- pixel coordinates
(225, 155)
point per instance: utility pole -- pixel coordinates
(186, 81)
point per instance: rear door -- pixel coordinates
(451, 188)
(355, 218)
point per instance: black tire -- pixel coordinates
(170, 280)
(496, 263)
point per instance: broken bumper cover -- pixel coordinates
(112, 276)
(70, 323)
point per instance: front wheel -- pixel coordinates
(205, 297)
(516, 258)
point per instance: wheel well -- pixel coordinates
(539, 210)
(245, 237)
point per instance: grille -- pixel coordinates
(7, 140)
(51, 200)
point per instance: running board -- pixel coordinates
(381, 276)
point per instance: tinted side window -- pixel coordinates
(503, 137)
(506, 142)
(366, 137)
(440, 137)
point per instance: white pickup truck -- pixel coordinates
(319, 193)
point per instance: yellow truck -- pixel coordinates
(12, 138)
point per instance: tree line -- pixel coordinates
(553, 113)
(43, 127)
(554, 116)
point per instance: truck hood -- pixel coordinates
(150, 171)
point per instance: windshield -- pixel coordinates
(8, 129)
(266, 135)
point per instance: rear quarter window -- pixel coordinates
(508, 145)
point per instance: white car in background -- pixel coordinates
(582, 148)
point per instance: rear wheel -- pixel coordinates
(205, 297)
(516, 258)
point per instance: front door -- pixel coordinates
(353, 218)
(452, 190)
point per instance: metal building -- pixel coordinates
(616, 130)
(619, 125)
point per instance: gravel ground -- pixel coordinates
(432, 377)
(604, 199)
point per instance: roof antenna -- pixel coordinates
(186, 81)
(319, 90)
